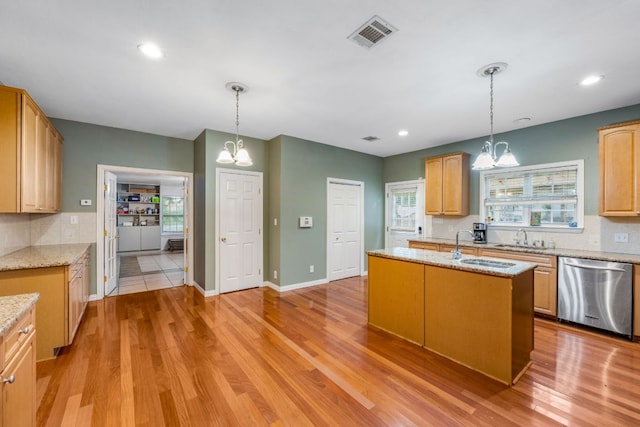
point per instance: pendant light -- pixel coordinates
(240, 155)
(487, 158)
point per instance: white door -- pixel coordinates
(110, 233)
(344, 230)
(404, 212)
(240, 235)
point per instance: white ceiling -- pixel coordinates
(79, 61)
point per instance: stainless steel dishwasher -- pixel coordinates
(596, 293)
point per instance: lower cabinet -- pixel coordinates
(545, 278)
(138, 238)
(78, 292)
(18, 374)
(64, 292)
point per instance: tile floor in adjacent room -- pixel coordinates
(140, 273)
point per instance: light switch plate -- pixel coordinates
(85, 202)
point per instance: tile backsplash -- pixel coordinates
(22, 230)
(598, 233)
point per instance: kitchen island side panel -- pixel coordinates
(468, 319)
(396, 297)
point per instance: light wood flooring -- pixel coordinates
(307, 357)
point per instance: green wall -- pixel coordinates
(570, 139)
(87, 145)
(272, 261)
(304, 169)
(208, 145)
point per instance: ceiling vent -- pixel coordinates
(372, 32)
(371, 138)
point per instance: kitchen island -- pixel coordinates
(475, 311)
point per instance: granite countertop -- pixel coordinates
(42, 256)
(14, 306)
(575, 253)
(444, 259)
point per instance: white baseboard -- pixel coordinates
(296, 285)
(365, 273)
(205, 293)
(94, 297)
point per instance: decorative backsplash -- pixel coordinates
(21, 230)
(597, 235)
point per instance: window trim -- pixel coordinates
(579, 164)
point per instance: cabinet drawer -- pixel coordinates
(19, 333)
(423, 245)
(541, 260)
(464, 249)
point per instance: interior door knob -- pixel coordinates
(223, 239)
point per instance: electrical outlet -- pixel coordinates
(621, 237)
(311, 268)
(73, 219)
(275, 222)
(85, 202)
(275, 274)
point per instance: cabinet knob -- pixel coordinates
(9, 380)
(24, 331)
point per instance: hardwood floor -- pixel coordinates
(307, 357)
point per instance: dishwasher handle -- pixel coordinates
(593, 267)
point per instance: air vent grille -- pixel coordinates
(372, 32)
(371, 138)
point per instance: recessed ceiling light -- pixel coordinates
(590, 80)
(522, 120)
(403, 132)
(150, 50)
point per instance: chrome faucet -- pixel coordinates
(457, 254)
(525, 242)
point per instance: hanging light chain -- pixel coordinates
(237, 89)
(491, 72)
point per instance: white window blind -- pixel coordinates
(545, 195)
(172, 214)
(403, 215)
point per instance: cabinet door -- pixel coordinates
(150, 237)
(455, 185)
(545, 290)
(19, 397)
(619, 156)
(28, 165)
(433, 186)
(129, 239)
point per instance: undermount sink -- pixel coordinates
(521, 247)
(487, 263)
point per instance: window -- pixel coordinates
(403, 214)
(549, 195)
(173, 215)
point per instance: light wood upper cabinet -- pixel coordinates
(447, 185)
(619, 155)
(31, 163)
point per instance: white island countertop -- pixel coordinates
(445, 259)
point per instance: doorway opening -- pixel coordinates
(138, 212)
